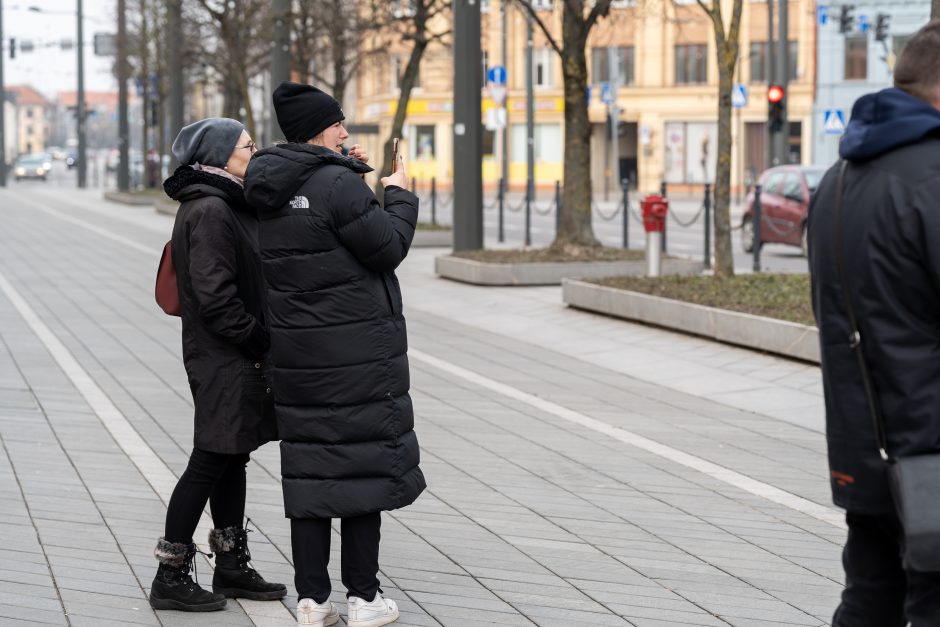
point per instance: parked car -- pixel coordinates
(35, 166)
(71, 158)
(785, 194)
(57, 152)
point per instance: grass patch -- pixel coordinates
(427, 226)
(545, 255)
(781, 296)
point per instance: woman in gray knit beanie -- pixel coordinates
(225, 344)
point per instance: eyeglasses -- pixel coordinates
(252, 146)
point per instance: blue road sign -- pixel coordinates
(496, 75)
(833, 121)
(607, 94)
(863, 24)
(822, 14)
(739, 96)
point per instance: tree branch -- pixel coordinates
(527, 5)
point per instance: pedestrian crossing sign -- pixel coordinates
(739, 96)
(834, 122)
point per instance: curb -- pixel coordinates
(126, 198)
(433, 239)
(548, 273)
(789, 339)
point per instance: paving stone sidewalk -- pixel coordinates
(530, 517)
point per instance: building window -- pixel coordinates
(542, 67)
(548, 143)
(29, 130)
(543, 4)
(29, 113)
(856, 57)
(424, 143)
(758, 58)
(691, 64)
(484, 6)
(600, 66)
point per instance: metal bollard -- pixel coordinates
(557, 207)
(434, 200)
(625, 185)
(502, 198)
(528, 215)
(708, 225)
(663, 188)
(757, 219)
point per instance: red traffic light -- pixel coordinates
(775, 93)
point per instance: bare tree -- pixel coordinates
(578, 18)
(727, 44)
(237, 51)
(327, 40)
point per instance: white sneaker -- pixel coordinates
(309, 612)
(379, 612)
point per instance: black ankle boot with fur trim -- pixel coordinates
(234, 577)
(173, 588)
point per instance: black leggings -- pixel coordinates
(310, 542)
(214, 477)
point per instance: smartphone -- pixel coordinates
(394, 154)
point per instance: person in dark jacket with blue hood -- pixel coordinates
(890, 237)
(338, 348)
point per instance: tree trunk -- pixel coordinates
(724, 259)
(574, 228)
(249, 120)
(407, 84)
(934, 9)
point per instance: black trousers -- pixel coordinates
(878, 592)
(214, 477)
(310, 544)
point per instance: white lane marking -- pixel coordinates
(100, 231)
(726, 475)
(151, 467)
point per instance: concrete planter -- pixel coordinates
(757, 332)
(126, 198)
(433, 239)
(167, 206)
(488, 273)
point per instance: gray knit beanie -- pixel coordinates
(207, 142)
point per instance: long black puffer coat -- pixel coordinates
(338, 340)
(221, 288)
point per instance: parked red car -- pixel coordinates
(785, 192)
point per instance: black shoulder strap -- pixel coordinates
(855, 337)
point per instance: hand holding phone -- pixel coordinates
(394, 154)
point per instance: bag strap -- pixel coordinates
(855, 337)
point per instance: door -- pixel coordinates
(788, 221)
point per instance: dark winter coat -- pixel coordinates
(338, 340)
(891, 217)
(222, 301)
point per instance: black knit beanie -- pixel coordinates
(303, 111)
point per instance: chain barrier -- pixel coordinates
(636, 215)
(603, 216)
(517, 208)
(492, 206)
(694, 219)
(549, 211)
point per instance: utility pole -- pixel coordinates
(783, 78)
(174, 15)
(3, 107)
(504, 15)
(613, 73)
(123, 173)
(80, 103)
(770, 63)
(529, 131)
(468, 137)
(280, 57)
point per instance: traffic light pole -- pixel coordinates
(3, 106)
(123, 172)
(174, 11)
(770, 63)
(468, 135)
(80, 102)
(783, 78)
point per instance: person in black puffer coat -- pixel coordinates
(221, 289)
(338, 348)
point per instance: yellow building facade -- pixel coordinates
(667, 130)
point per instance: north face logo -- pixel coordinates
(299, 202)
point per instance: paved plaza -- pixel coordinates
(581, 470)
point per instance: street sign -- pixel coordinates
(497, 93)
(822, 14)
(863, 24)
(607, 94)
(833, 122)
(739, 96)
(495, 119)
(105, 45)
(496, 75)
